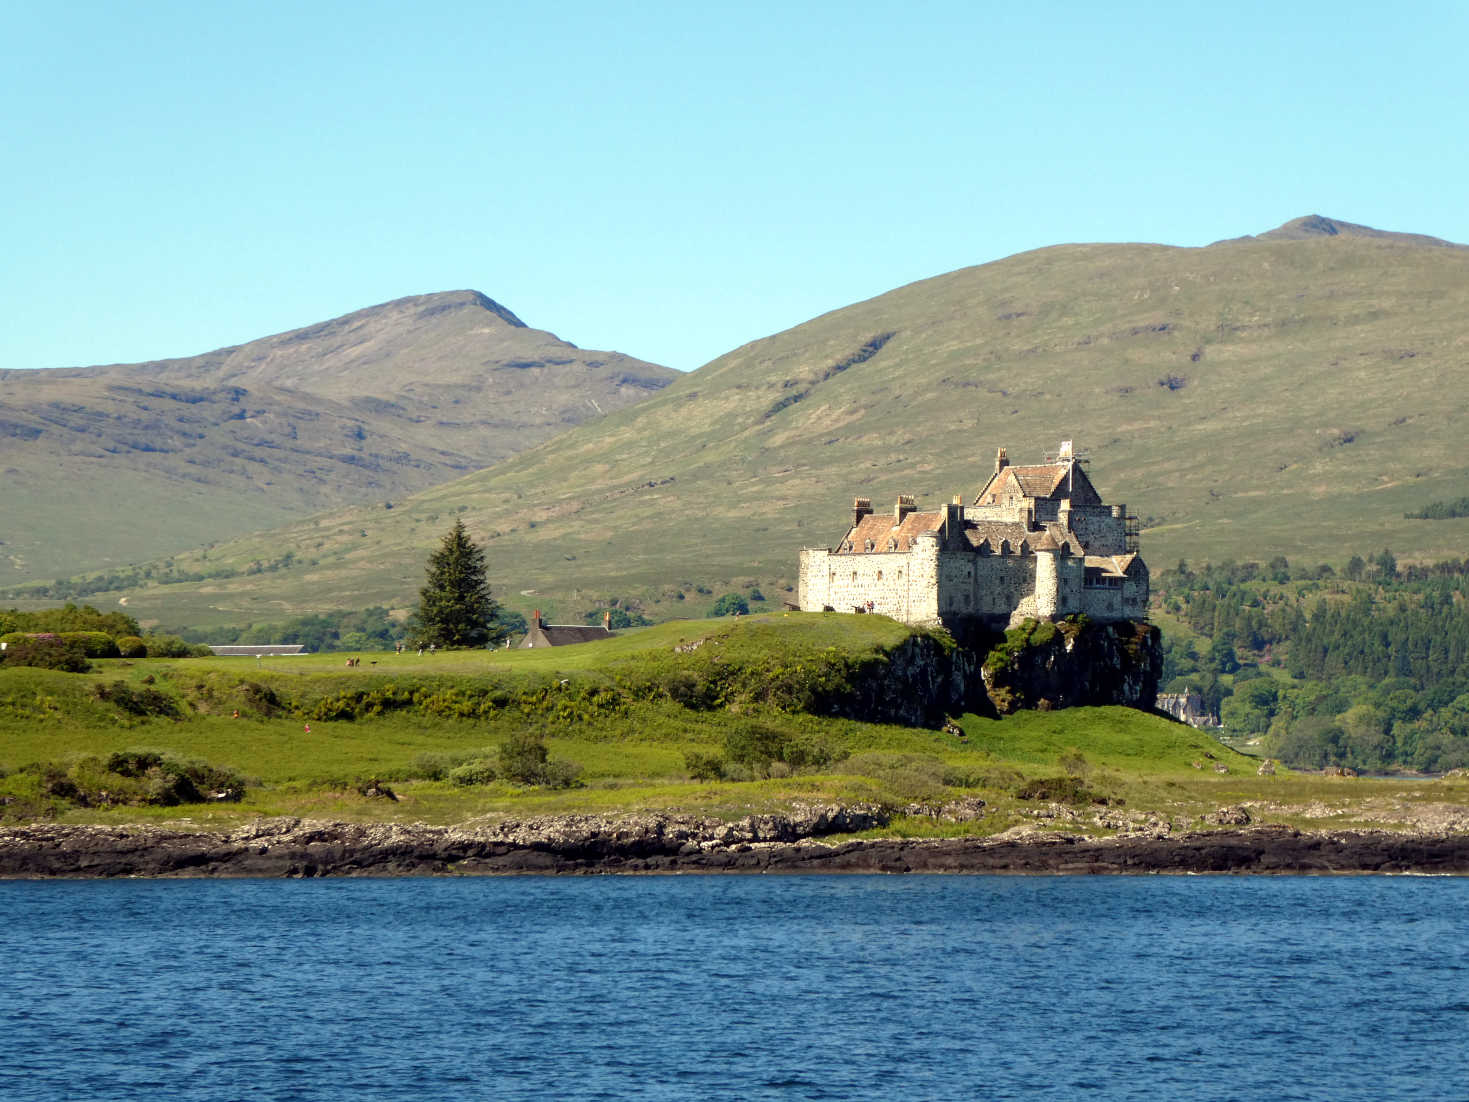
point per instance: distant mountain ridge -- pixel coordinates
(1291, 395)
(124, 462)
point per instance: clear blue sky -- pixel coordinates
(670, 180)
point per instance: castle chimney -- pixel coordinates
(538, 619)
(906, 504)
(1001, 460)
(860, 508)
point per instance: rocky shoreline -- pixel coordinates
(651, 843)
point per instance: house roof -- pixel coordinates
(563, 635)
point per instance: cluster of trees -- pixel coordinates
(1367, 669)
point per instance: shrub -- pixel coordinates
(731, 604)
(479, 771)
(132, 646)
(171, 646)
(172, 780)
(760, 748)
(1061, 790)
(138, 700)
(524, 759)
(46, 652)
(94, 644)
(704, 767)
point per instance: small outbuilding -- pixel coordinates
(275, 650)
(542, 634)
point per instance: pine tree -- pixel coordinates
(455, 608)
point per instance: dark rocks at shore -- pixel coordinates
(673, 844)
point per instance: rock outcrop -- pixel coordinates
(1077, 664)
(670, 844)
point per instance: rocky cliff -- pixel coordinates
(1067, 665)
(1040, 665)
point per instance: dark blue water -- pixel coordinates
(736, 988)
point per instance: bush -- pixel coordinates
(704, 767)
(171, 646)
(479, 771)
(46, 652)
(132, 646)
(525, 759)
(138, 700)
(761, 748)
(94, 644)
(731, 604)
(172, 780)
(1060, 790)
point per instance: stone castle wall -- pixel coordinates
(899, 584)
(1101, 528)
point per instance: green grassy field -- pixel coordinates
(417, 718)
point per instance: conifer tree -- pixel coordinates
(455, 608)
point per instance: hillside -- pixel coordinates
(130, 461)
(1292, 394)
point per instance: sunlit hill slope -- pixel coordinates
(1289, 394)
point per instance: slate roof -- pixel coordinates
(542, 634)
(259, 652)
(886, 535)
(1043, 480)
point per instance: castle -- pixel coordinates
(1036, 542)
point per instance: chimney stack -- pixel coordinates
(1001, 460)
(907, 503)
(538, 619)
(860, 508)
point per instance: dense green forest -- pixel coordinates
(1367, 668)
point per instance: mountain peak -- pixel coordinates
(440, 302)
(1312, 226)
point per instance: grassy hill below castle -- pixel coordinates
(646, 722)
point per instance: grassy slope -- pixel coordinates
(630, 761)
(1320, 397)
(110, 465)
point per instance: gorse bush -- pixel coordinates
(138, 700)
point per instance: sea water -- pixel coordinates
(736, 987)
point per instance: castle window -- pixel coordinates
(879, 575)
(854, 575)
(900, 575)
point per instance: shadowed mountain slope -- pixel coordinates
(124, 462)
(1254, 398)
